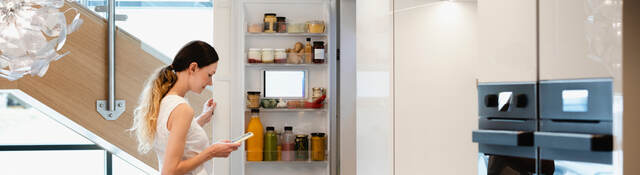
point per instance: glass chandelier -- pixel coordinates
(31, 33)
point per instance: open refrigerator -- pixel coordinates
(285, 81)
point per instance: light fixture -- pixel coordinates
(31, 33)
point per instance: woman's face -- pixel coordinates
(200, 78)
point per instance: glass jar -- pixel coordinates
(253, 99)
(318, 52)
(315, 26)
(267, 55)
(302, 147)
(317, 146)
(254, 55)
(317, 92)
(255, 28)
(281, 25)
(296, 28)
(281, 56)
(269, 22)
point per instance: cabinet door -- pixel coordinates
(507, 40)
(580, 44)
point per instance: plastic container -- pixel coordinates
(288, 144)
(254, 55)
(255, 27)
(268, 55)
(296, 28)
(281, 56)
(315, 26)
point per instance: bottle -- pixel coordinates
(270, 145)
(317, 146)
(318, 52)
(255, 143)
(288, 144)
(279, 147)
(308, 52)
(302, 147)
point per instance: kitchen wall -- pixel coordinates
(435, 55)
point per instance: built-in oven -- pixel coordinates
(554, 127)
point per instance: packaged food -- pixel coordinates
(296, 28)
(268, 55)
(254, 55)
(318, 52)
(317, 146)
(253, 99)
(302, 147)
(281, 56)
(315, 26)
(269, 22)
(281, 25)
(308, 52)
(270, 144)
(255, 144)
(255, 28)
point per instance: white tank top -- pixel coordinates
(196, 141)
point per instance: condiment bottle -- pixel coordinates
(318, 52)
(308, 52)
(270, 145)
(255, 143)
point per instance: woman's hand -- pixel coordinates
(208, 109)
(222, 149)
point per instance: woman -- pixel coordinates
(164, 121)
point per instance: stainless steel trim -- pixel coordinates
(110, 111)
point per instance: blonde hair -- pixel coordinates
(145, 116)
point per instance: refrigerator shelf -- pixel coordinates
(286, 34)
(288, 163)
(271, 65)
(290, 110)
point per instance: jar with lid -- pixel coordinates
(318, 52)
(253, 99)
(315, 26)
(281, 24)
(267, 55)
(254, 55)
(302, 147)
(281, 56)
(317, 146)
(269, 22)
(317, 92)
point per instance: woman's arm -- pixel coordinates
(178, 125)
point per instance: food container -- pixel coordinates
(317, 92)
(269, 103)
(253, 99)
(268, 55)
(254, 55)
(296, 28)
(317, 146)
(294, 58)
(281, 56)
(281, 25)
(315, 26)
(255, 28)
(269, 22)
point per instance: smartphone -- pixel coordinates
(242, 138)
